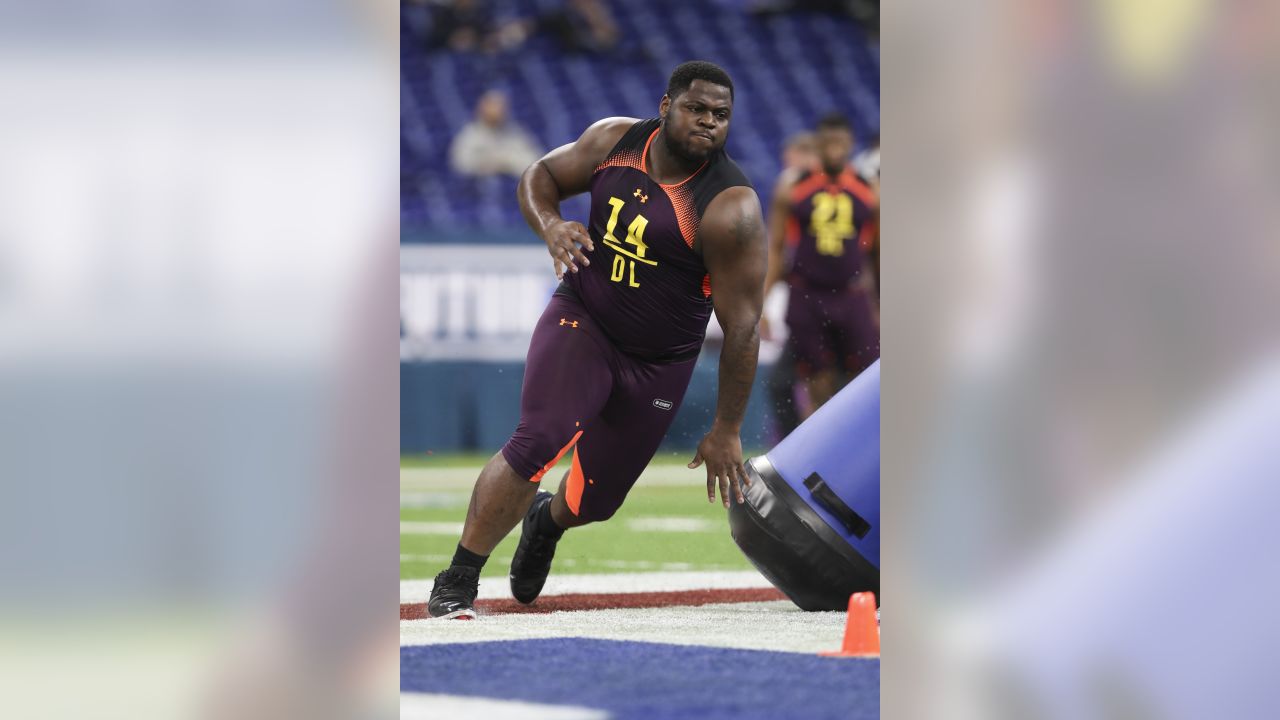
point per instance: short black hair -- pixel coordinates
(684, 75)
(835, 121)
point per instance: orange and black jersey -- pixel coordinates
(831, 225)
(646, 287)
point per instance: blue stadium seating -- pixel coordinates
(788, 70)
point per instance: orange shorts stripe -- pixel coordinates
(538, 476)
(573, 492)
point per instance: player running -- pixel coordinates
(674, 231)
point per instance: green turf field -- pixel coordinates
(665, 525)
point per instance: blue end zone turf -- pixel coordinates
(649, 680)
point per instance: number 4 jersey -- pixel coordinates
(646, 287)
(831, 225)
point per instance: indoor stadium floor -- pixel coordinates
(659, 596)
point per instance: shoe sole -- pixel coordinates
(463, 614)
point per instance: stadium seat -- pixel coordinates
(788, 68)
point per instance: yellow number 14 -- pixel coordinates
(635, 236)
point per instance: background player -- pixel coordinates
(675, 231)
(830, 218)
(799, 156)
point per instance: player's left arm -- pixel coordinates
(732, 242)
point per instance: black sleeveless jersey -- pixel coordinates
(646, 287)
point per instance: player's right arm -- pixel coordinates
(562, 173)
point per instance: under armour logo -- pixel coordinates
(662, 404)
(571, 323)
(643, 198)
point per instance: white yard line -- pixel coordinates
(446, 500)
(672, 524)
(779, 626)
(498, 588)
(430, 528)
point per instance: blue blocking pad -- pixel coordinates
(811, 521)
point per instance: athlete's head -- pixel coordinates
(799, 152)
(835, 142)
(696, 110)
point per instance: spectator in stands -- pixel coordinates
(493, 144)
(460, 25)
(469, 25)
(582, 26)
(864, 12)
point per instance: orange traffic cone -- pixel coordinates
(862, 632)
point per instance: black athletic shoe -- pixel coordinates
(454, 594)
(532, 560)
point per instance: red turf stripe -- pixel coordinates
(608, 601)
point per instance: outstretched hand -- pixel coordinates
(565, 241)
(721, 450)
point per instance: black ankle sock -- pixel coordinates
(466, 558)
(545, 524)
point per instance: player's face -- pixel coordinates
(834, 147)
(800, 155)
(696, 122)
